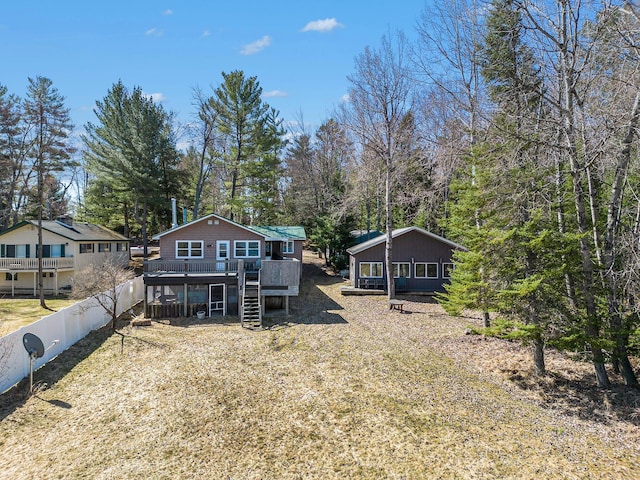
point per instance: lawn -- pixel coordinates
(18, 312)
(343, 388)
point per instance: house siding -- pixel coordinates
(411, 247)
(28, 235)
(208, 232)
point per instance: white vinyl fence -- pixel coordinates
(67, 326)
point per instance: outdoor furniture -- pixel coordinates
(396, 305)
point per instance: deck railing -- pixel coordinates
(280, 273)
(12, 264)
(190, 266)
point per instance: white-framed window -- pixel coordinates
(189, 249)
(86, 248)
(371, 269)
(402, 270)
(447, 269)
(104, 247)
(122, 247)
(246, 249)
(425, 270)
(288, 247)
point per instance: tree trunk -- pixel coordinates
(538, 356)
(613, 222)
(391, 290)
(486, 321)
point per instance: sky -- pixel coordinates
(300, 51)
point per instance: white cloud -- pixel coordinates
(168, 11)
(345, 98)
(154, 32)
(325, 25)
(156, 97)
(275, 93)
(206, 33)
(256, 46)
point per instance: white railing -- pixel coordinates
(67, 326)
(32, 263)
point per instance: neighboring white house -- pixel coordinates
(67, 247)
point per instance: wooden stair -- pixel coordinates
(251, 313)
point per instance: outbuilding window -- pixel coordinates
(447, 270)
(426, 270)
(401, 270)
(371, 269)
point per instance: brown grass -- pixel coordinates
(343, 388)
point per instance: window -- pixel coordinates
(288, 246)
(104, 247)
(246, 248)
(189, 249)
(8, 277)
(121, 247)
(51, 251)
(371, 269)
(15, 251)
(401, 270)
(426, 270)
(447, 270)
(86, 248)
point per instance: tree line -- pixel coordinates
(508, 126)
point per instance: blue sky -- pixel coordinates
(300, 51)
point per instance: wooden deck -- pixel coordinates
(348, 290)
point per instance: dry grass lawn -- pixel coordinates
(19, 312)
(343, 388)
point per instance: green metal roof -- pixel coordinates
(280, 232)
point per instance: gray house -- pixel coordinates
(422, 261)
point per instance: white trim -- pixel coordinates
(208, 217)
(426, 270)
(190, 249)
(401, 263)
(246, 242)
(397, 233)
(285, 247)
(360, 264)
(452, 267)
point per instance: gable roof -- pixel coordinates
(201, 219)
(78, 231)
(397, 233)
(281, 232)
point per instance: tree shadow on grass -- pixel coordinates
(53, 371)
(50, 373)
(580, 397)
(312, 306)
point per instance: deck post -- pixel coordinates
(184, 307)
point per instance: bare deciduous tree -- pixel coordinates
(101, 281)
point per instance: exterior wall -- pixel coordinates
(207, 231)
(28, 235)
(297, 251)
(412, 247)
(82, 260)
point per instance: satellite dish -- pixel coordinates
(33, 345)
